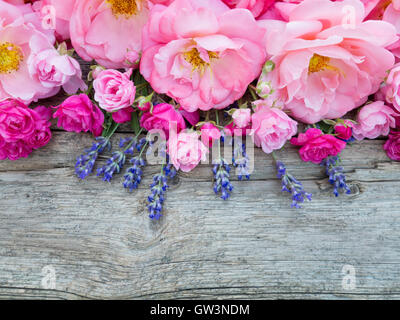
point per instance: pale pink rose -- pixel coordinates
(197, 52)
(17, 43)
(114, 90)
(324, 68)
(107, 31)
(79, 114)
(56, 14)
(374, 120)
(256, 7)
(209, 133)
(163, 117)
(271, 127)
(391, 90)
(241, 117)
(28, 14)
(186, 150)
(54, 70)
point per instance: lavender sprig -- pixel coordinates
(158, 189)
(241, 161)
(133, 175)
(337, 178)
(85, 162)
(291, 185)
(222, 183)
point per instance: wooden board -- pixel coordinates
(95, 240)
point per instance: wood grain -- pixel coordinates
(102, 245)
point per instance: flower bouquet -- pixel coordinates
(201, 81)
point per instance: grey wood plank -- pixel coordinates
(101, 243)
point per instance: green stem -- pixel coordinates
(253, 92)
(219, 140)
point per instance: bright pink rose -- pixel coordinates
(271, 127)
(17, 121)
(344, 130)
(57, 14)
(186, 150)
(22, 129)
(192, 117)
(123, 115)
(163, 117)
(374, 120)
(209, 133)
(79, 114)
(257, 7)
(15, 150)
(242, 117)
(197, 52)
(114, 90)
(17, 43)
(392, 146)
(391, 90)
(317, 146)
(54, 70)
(231, 130)
(109, 32)
(324, 67)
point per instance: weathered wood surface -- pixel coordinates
(101, 244)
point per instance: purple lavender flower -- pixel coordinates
(133, 175)
(336, 175)
(291, 185)
(85, 162)
(222, 184)
(241, 161)
(158, 189)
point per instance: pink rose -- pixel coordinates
(79, 114)
(108, 31)
(344, 130)
(209, 133)
(231, 130)
(123, 115)
(186, 150)
(54, 70)
(271, 127)
(15, 150)
(22, 129)
(57, 14)
(374, 120)
(17, 121)
(192, 117)
(195, 52)
(257, 7)
(317, 146)
(392, 146)
(391, 90)
(241, 117)
(17, 43)
(114, 90)
(324, 68)
(162, 117)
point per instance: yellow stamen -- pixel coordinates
(193, 57)
(319, 63)
(10, 57)
(125, 8)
